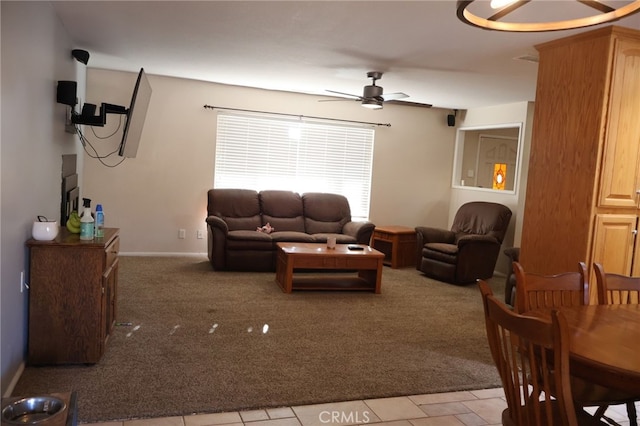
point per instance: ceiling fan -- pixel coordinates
(372, 96)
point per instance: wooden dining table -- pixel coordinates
(604, 344)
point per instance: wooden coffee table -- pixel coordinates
(312, 256)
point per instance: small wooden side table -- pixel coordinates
(398, 243)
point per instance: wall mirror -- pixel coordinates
(488, 158)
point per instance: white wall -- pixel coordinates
(164, 188)
(36, 53)
(512, 113)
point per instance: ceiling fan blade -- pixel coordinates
(345, 94)
(338, 100)
(394, 96)
(408, 103)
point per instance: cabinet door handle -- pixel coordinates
(634, 232)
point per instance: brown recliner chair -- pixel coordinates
(469, 250)
(513, 253)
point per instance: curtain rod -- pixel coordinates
(299, 116)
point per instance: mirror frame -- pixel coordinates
(459, 150)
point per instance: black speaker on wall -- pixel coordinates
(66, 93)
(80, 55)
(451, 120)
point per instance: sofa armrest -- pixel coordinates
(361, 231)
(219, 223)
(217, 241)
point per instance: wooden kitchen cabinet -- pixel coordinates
(614, 239)
(73, 286)
(621, 162)
(582, 199)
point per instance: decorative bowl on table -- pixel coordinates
(45, 230)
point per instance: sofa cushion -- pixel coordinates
(282, 210)
(249, 240)
(291, 237)
(325, 213)
(340, 238)
(239, 208)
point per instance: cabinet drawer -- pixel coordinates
(112, 251)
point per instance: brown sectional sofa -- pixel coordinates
(235, 214)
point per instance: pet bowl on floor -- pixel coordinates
(32, 411)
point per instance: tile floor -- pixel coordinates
(479, 407)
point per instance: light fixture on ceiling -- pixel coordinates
(503, 8)
(372, 103)
(497, 4)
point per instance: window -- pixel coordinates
(486, 155)
(265, 153)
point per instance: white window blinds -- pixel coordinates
(265, 153)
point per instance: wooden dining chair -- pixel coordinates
(616, 289)
(532, 358)
(535, 291)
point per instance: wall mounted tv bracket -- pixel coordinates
(89, 117)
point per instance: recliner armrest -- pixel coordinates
(426, 235)
(513, 253)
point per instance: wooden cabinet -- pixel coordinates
(582, 200)
(621, 163)
(73, 287)
(398, 243)
(614, 239)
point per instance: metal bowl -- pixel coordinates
(32, 411)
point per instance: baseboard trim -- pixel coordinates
(14, 381)
(162, 254)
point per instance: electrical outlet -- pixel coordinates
(200, 234)
(182, 234)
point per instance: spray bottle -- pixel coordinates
(86, 221)
(99, 225)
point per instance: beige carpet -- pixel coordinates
(204, 341)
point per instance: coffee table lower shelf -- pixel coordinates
(331, 283)
(304, 256)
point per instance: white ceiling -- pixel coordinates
(312, 46)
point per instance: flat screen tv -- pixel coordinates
(136, 115)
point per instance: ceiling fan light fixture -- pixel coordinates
(498, 4)
(372, 103)
(603, 13)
